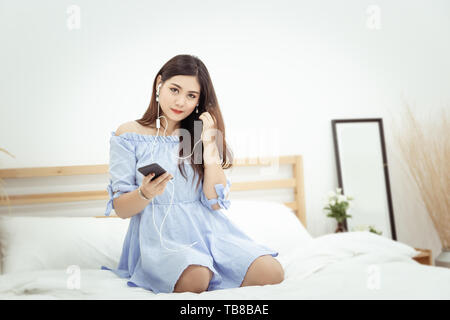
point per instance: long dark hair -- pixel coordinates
(189, 65)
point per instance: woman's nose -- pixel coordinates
(180, 102)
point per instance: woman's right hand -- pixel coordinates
(156, 186)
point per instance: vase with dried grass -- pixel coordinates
(426, 151)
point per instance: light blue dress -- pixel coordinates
(192, 233)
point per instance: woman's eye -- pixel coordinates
(193, 97)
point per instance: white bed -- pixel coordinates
(61, 259)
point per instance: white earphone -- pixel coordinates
(173, 186)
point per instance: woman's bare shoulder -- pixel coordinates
(133, 126)
(126, 127)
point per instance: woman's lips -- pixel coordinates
(176, 111)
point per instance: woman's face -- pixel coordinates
(178, 93)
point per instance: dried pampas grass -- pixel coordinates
(3, 195)
(426, 151)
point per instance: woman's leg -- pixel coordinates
(263, 270)
(195, 278)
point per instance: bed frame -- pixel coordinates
(296, 182)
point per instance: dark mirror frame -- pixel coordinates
(385, 164)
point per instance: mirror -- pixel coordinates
(362, 171)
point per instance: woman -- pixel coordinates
(196, 247)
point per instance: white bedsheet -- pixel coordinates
(353, 265)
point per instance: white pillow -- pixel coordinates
(270, 223)
(363, 242)
(37, 243)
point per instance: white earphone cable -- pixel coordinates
(171, 199)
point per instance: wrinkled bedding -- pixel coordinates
(353, 265)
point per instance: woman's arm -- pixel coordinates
(213, 172)
(129, 204)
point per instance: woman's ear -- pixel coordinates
(158, 80)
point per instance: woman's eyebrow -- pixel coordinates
(182, 88)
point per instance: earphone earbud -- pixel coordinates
(157, 92)
(158, 124)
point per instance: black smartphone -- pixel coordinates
(152, 168)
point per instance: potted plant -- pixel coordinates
(338, 205)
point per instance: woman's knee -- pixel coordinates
(195, 278)
(264, 270)
(277, 272)
(271, 270)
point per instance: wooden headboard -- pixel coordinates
(295, 182)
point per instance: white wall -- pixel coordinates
(287, 66)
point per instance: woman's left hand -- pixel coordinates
(208, 123)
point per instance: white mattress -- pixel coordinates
(356, 265)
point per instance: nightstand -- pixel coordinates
(424, 257)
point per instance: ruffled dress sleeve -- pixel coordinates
(122, 169)
(222, 199)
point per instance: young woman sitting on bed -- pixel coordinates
(196, 248)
